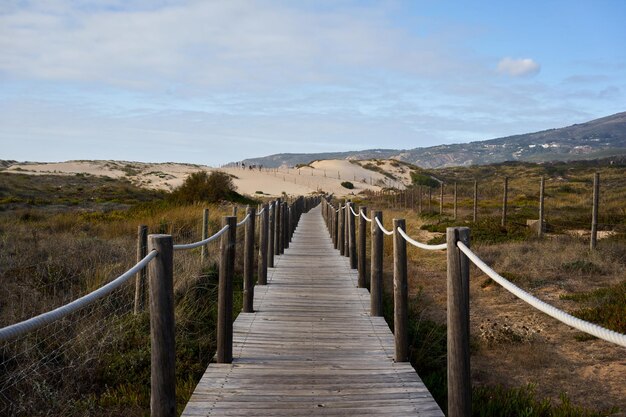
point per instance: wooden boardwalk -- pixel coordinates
(311, 347)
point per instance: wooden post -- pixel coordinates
(541, 212)
(400, 294)
(505, 197)
(335, 214)
(342, 232)
(454, 213)
(162, 328)
(346, 226)
(234, 211)
(594, 210)
(430, 200)
(285, 227)
(204, 251)
(288, 219)
(140, 278)
(420, 200)
(376, 279)
(475, 212)
(362, 282)
(352, 240)
(271, 232)
(263, 243)
(459, 384)
(277, 226)
(225, 292)
(441, 201)
(248, 262)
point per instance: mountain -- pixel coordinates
(594, 139)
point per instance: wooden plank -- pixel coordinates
(311, 346)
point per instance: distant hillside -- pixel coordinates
(595, 139)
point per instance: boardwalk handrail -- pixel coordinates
(186, 246)
(364, 216)
(560, 315)
(245, 219)
(382, 228)
(420, 244)
(34, 323)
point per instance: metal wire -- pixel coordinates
(186, 246)
(421, 245)
(560, 315)
(17, 329)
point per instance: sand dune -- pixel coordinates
(324, 175)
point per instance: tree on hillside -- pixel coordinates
(202, 186)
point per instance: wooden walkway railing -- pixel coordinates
(311, 346)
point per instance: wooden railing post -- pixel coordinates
(263, 238)
(346, 225)
(420, 200)
(204, 251)
(336, 218)
(248, 262)
(162, 328)
(341, 230)
(352, 239)
(277, 226)
(225, 291)
(376, 279)
(459, 384)
(594, 211)
(271, 232)
(400, 293)
(454, 209)
(362, 282)
(285, 227)
(140, 278)
(441, 200)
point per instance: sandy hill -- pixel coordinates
(326, 175)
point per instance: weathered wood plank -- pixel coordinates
(311, 346)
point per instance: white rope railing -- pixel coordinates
(364, 216)
(421, 245)
(355, 215)
(185, 246)
(560, 315)
(17, 329)
(261, 211)
(245, 219)
(382, 228)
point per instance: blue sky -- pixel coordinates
(217, 81)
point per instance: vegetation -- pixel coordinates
(348, 185)
(424, 179)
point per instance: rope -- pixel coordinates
(17, 329)
(355, 215)
(245, 219)
(560, 315)
(201, 242)
(382, 228)
(261, 211)
(364, 216)
(421, 245)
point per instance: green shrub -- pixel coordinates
(205, 187)
(348, 185)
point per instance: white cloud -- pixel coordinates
(521, 67)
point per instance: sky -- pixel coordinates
(214, 81)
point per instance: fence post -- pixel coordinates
(248, 262)
(234, 211)
(277, 221)
(475, 212)
(341, 233)
(352, 240)
(362, 282)
(459, 385)
(270, 234)
(441, 201)
(336, 227)
(505, 197)
(430, 200)
(455, 201)
(288, 219)
(376, 279)
(284, 228)
(140, 278)
(225, 291)
(346, 227)
(594, 210)
(400, 293)
(162, 328)
(204, 251)
(541, 212)
(420, 200)
(263, 237)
